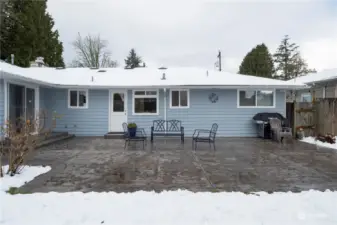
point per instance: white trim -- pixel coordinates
(255, 107)
(180, 107)
(37, 109)
(6, 101)
(145, 96)
(78, 96)
(109, 116)
(125, 91)
(165, 106)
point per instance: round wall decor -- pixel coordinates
(213, 97)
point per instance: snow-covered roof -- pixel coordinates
(139, 77)
(310, 78)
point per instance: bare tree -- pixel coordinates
(92, 52)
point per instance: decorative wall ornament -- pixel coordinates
(213, 97)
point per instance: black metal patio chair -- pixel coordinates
(140, 136)
(205, 136)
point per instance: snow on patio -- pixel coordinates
(311, 140)
(174, 207)
(27, 174)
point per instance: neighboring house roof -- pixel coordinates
(325, 75)
(139, 77)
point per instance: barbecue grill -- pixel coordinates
(262, 123)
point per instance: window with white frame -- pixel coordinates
(78, 98)
(306, 97)
(145, 102)
(256, 98)
(179, 98)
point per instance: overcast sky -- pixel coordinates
(190, 32)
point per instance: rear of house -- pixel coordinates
(102, 104)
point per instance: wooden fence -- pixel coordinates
(316, 118)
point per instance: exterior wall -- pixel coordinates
(46, 109)
(92, 121)
(2, 103)
(232, 121)
(201, 114)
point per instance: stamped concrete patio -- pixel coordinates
(238, 164)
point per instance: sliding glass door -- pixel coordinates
(21, 104)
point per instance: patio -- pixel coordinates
(239, 164)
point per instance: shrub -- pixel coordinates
(21, 137)
(132, 125)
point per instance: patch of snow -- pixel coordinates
(311, 140)
(175, 207)
(27, 174)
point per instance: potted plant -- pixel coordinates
(300, 132)
(132, 128)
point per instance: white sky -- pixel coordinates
(190, 32)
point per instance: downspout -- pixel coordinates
(165, 96)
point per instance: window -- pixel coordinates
(145, 102)
(179, 99)
(256, 98)
(306, 97)
(78, 99)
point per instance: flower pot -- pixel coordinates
(132, 131)
(300, 134)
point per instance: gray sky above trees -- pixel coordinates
(190, 32)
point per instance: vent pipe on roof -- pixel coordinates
(207, 73)
(12, 59)
(92, 78)
(163, 77)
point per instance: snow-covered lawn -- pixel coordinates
(27, 174)
(175, 207)
(311, 140)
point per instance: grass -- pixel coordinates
(15, 191)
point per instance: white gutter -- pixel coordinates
(165, 96)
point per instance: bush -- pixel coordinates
(132, 125)
(329, 138)
(15, 191)
(20, 138)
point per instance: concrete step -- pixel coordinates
(114, 135)
(54, 138)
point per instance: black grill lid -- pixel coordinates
(264, 116)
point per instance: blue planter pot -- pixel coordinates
(132, 131)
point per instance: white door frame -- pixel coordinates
(111, 106)
(36, 93)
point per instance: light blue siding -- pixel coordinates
(232, 121)
(46, 110)
(145, 121)
(2, 103)
(92, 121)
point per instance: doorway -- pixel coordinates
(118, 110)
(21, 104)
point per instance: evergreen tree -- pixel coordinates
(289, 62)
(27, 32)
(133, 60)
(258, 62)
